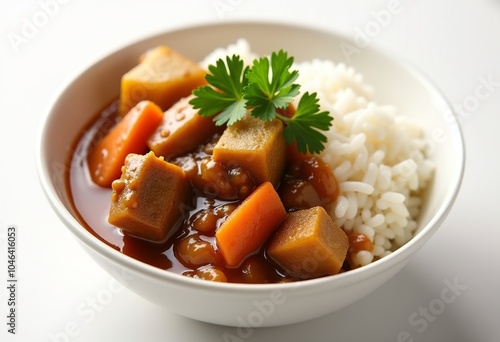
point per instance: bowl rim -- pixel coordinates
(144, 269)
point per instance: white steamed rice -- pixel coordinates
(377, 155)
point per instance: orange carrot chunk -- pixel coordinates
(130, 135)
(250, 224)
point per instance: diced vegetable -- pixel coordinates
(308, 244)
(181, 130)
(250, 224)
(257, 146)
(130, 135)
(162, 76)
(148, 200)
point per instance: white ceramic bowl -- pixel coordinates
(263, 304)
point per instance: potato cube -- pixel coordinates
(181, 130)
(162, 76)
(148, 200)
(308, 244)
(255, 145)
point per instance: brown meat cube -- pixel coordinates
(148, 200)
(257, 146)
(181, 130)
(308, 244)
(162, 76)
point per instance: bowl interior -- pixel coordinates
(394, 83)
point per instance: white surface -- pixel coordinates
(61, 290)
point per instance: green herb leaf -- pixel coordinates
(225, 95)
(264, 95)
(263, 89)
(304, 125)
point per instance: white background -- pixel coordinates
(455, 42)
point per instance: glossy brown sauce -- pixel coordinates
(192, 250)
(93, 202)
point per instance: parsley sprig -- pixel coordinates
(264, 89)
